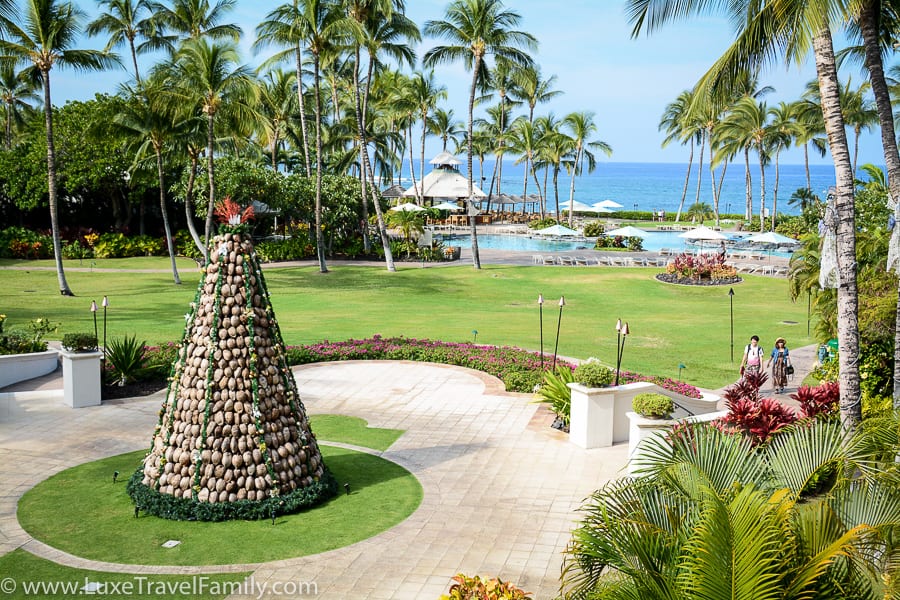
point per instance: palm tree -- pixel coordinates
(475, 29)
(278, 105)
(811, 128)
(678, 126)
(524, 140)
(581, 126)
(322, 24)
(747, 125)
(150, 121)
(873, 18)
(711, 516)
(16, 93)
(445, 126)
(859, 113)
(207, 77)
(783, 129)
(410, 223)
(124, 23)
(195, 19)
(383, 30)
(503, 81)
(795, 28)
(425, 93)
(283, 27)
(44, 40)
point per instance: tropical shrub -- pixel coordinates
(125, 359)
(19, 242)
(475, 588)
(652, 405)
(593, 374)
(294, 248)
(555, 391)
(819, 401)
(619, 242)
(79, 342)
(522, 381)
(704, 266)
(119, 245)
(185, 246)
(594, 228)
(542, 223)
(25, 342)
(712, 516)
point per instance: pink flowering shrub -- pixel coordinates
(519, 369)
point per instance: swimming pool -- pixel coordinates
(654, 241)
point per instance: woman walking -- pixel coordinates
(752, 360)
(780, 360)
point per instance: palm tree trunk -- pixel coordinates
(9, 109)
(476, 258)
(320, 235)
(210, 170)
(160, 172)
(712, 177)
(420, 193)
(806, 163)
(369, 172)
(748, 186)
(422, 154)
(303, 137)
(687, 179)
(137, 74)
(360, 127)
(856, 132)
(847, 294)
(775, 190)
(762, 192)
(700, 166)
(868, 25)
(188, 205)
(51, 188)
(575, 171)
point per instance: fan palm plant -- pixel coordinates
(810, 515)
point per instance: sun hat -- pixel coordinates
(782, 340)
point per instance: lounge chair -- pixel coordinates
(580, 260)
(548, 260)
(566, 260)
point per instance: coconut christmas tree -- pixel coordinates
(233, 439)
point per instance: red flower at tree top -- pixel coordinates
(229, 212)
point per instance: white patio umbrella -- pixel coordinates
(701, 234)
(598, 207)
(608, 204)
(448, 206)
(576, 206)
(628, 231)
(407, 207)
(556, 230)
(770, 237)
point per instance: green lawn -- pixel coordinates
(81, 510)
(669, 324)
(27, 571)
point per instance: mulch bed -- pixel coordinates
(672, 278)
(132, 390)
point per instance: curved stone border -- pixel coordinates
(724, 283)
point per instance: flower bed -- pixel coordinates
(706, 269)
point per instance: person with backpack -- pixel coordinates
(752, 360)
(780, 360)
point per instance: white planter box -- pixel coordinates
(81, 378)
(22, 367)
(643, 429)
(599, 416)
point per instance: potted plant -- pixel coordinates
(653, 406)
(594, 375)
(79, 342)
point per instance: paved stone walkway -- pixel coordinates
(501, 488)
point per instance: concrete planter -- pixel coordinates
(81, 378)
(22, 367)
(599, 416)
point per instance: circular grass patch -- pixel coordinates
(82, 512)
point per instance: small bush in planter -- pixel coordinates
(593, 374)
(653, 406)
(79, 342)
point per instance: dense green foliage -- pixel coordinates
(652, 405)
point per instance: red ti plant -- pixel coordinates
(756, 418)
(819, 401)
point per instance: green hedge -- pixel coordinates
(152, 502)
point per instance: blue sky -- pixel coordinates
(587, 45)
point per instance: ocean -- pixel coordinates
(657, 186)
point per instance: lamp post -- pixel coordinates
(562, 302)
(681, 366)
(105, 304)
(618, 343)
(808, 308)
(623, 331)
(541, 326)
(731, 315)
(94, 312)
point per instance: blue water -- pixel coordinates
(658, 186)
(654, 241)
